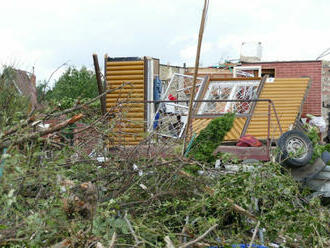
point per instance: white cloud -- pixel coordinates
(188, 53)
(45, 34)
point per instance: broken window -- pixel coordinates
(229, 90)
(269, 72)
(171, 117)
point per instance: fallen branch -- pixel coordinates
(113, 240)
(241, 210)
(15, 128)
(200, 237)
(169, 243)
(41, 133)
(92, 125)
(254, 234)
(137, 241)
(68, 164)
(236, 207)
(89, 102)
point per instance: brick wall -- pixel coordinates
(294, 69)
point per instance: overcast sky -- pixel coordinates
(46, 34)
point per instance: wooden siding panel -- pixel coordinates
(287, 95)
(234, 134)
(130, 131)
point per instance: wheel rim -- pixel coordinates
(297, 147)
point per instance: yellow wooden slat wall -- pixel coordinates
(233, 134)
(130, 130)
(287, 95)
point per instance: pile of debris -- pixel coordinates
(65, 198)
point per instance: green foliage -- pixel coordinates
(72, 85)
(31, 200)
(13, 106)
(160, 201)
(319, 149)
(228, 158)
(211, 137)
(42, 89)
(277, 195)
(313, 134)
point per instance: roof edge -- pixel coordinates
(282, 61)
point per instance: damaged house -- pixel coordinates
(268, 98)
(25, 84)
(292, 96)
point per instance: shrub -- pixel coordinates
(73, 84)
(211, 137)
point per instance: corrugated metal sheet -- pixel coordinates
(130, 130)
(287, 95)
(233, 134)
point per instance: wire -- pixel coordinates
(324, 53)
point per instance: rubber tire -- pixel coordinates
(284, 157)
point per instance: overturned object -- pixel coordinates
(296, 149)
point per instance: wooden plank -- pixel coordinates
(133, 91)
(125, 77)
(119, 82)
(130, 105)
(131, 72)
(124, 63)
(124, 68)
(127, 95)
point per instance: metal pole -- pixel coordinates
(268, 131)
(276, 116)
(192, 95)
(253, 105)
(99, 82)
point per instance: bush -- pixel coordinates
(73, 84)
(211, 137)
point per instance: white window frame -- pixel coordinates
(237, 69)
(234, 85)
(184, 118)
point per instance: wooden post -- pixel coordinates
(99, 83)
(192, 95)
